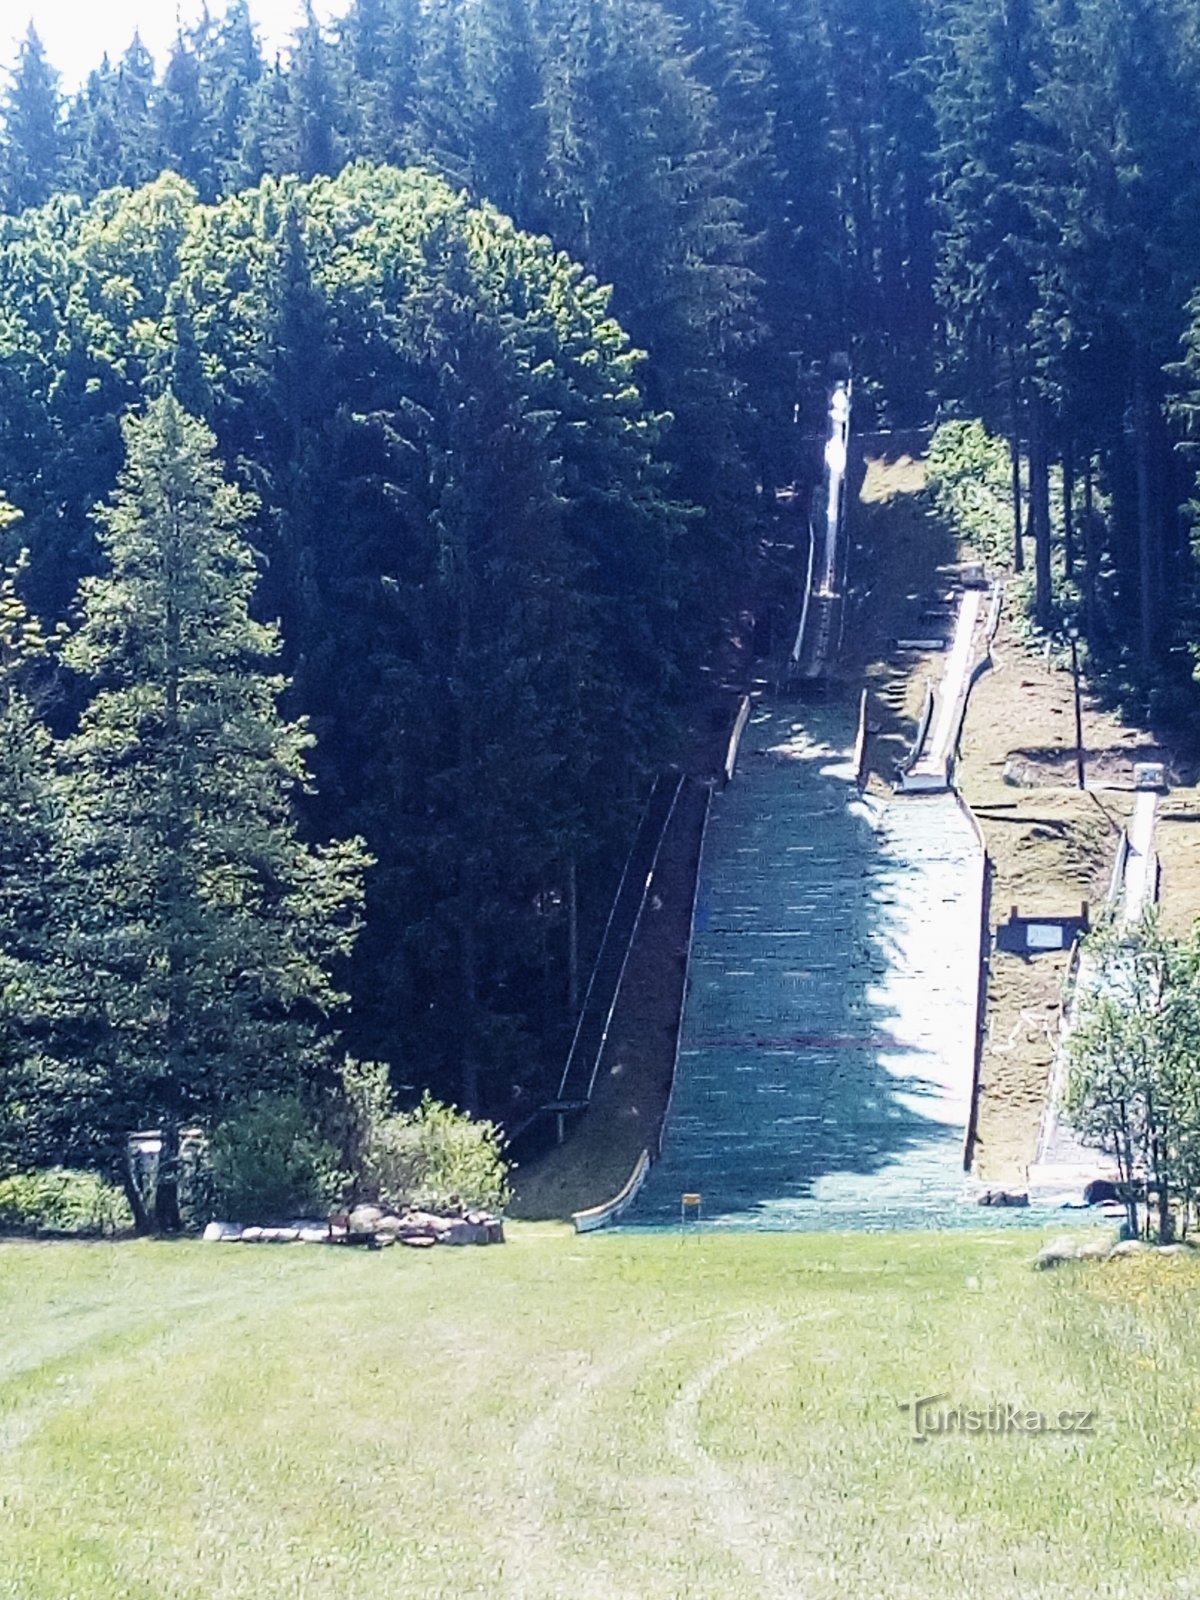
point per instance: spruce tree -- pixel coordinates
(312, 141)
(112, 132)
(45, 1117)
(231, 65)
(207, 927)
(32, 148)
(183, 125)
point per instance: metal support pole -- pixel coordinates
(1079, 773)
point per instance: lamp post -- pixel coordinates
(1073, 636)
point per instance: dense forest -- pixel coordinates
(477, 334)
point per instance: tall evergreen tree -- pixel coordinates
(44, 1114)
(1123, 105)
(231, 64)
(184, 131)
(208, 927)
(312, 135)
(113, 134)
(31, 151)
(378, 58)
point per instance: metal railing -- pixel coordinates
(735, 738)
(604, 985)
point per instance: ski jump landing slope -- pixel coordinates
(828, 1034)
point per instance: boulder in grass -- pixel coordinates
(1095, 1250)
(1128, 1247)
(365, 1219)
(222, 1232)
(1056, 1251)
(417, 1241)
(1003, 1197)
(462, 1231)
(251, 1235)
(427, 1222)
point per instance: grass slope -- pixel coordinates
(652, 1417)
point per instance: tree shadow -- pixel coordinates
(825, 1063)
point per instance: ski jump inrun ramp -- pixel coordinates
(827, 1044)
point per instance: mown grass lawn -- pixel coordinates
(614, 1417)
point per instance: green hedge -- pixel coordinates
(61, 1200)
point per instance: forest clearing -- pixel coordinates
(676, 1414)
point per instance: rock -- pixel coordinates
(1176, 1249)
(1095, 1250)
(251, 1235)
(280, 1235)
(1101, 1191)
(365, 1219)
(312, 1233)
(1002, 1197)
(1128, 1247)
(464, 1232)
(495, 1231)
(426, 1222)
(1056, 1251)
(417, 1241)
(217, 1231)
(364, 1241)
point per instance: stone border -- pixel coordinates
(369, 1226)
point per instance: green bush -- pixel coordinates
(268, 1162)
(434, 1157)
(970, 480)
(62, 1200)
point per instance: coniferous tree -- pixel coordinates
(208, 928)
(509, 128)
(31, 151)
(184, 132)
(985, 82)
(1124, 108)
(643, 195)
(378, 57)
(36, 1122)
(113, 135)
(231, 64)
(312, 136)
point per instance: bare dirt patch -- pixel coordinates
(1051, 846)
(1177, 841)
